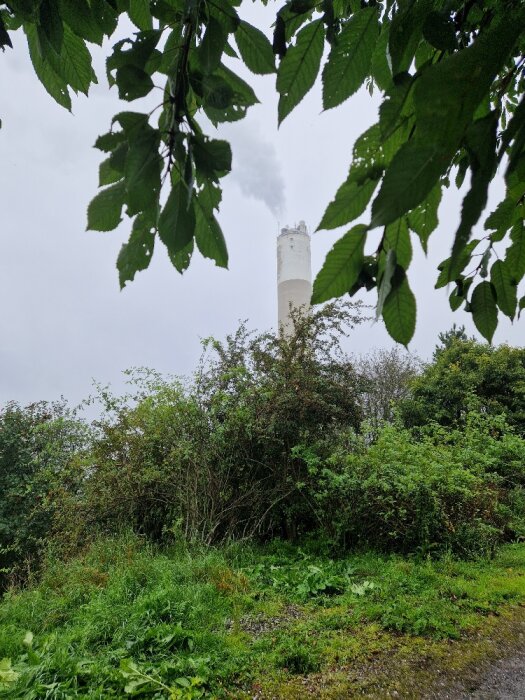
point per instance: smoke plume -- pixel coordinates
(256, 168)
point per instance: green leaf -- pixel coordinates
(398, 106)
(279, 36)
(118, 157)
(75, 63)
(423, 220)
(463, 165)
(210, 239)
(444, 267)
(213, 158)
(177, 219)
(484, 311)
(501, 218)
(242, 97)
(132, 83)
(397, 237)
(105, 209)
(521, 305)
(354, 195)
(128, 667)
(139, 53)
(142, 171)
(414, 171)
(455, 300)
(515, 254)
(368, 161)
(210, 50)
(446, 97)
(7, 673)
(380, 68)
(405, 34)
(399, 310)
(216, 92)
(298, 69)
(243, 93)
(55, 85)
(384, 286)
(181, 260)
(449, 92)
(341, 267)
(140, 14)
(51, 23)
(208, 233)
(481, 146)
(5, 39)
(439, 31)
(255, 49)
(131, 122)
(108, 142)
(349, 61)
(514, 128)
(505, 288)
(135, 255)
(105, 15)
(107, 175)
(350, 202)
(136, 687)
(170, 52)
(79, 16)
(225, 13)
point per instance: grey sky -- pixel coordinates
(64, 320)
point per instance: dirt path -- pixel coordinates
(490, 665)
(503, 680)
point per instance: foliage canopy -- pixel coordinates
(451, 73)
(469, 376)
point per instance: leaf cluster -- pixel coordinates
(452, 77)
(451, 73)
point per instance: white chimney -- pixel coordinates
(294, 273)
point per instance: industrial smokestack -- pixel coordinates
(294, 273)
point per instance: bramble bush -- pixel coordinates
(461, 491)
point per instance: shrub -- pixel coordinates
(37, 444)
(403, 495)
(215, 460)
(488, 446)
(466, 376)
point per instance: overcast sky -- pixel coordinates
(64, 321)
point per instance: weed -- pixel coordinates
(160, 625)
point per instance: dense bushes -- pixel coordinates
(430, 494)
(464, 376)
(268, 440)
(37, 444)
(214, 460)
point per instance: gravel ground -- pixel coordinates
(503, 680)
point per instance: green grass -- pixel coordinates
(125, 619)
